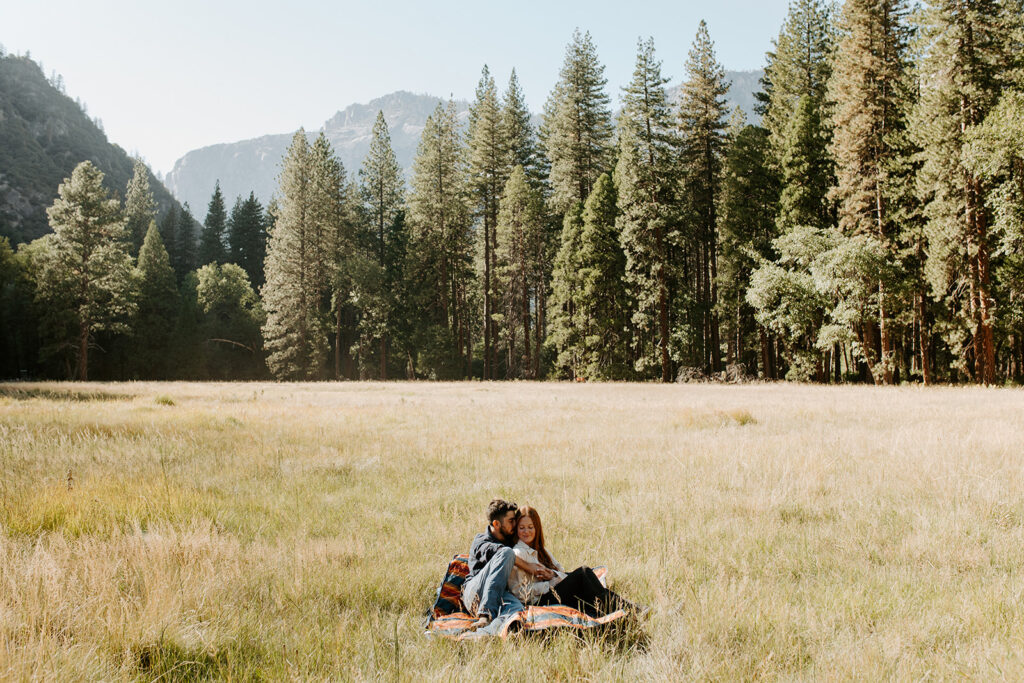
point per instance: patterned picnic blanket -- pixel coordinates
(449, 619)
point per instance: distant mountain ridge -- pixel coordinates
(44, 134)
(253, 165)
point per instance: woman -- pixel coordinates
(580, 588)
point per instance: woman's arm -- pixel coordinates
(534, 569)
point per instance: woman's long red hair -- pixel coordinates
(538, 538)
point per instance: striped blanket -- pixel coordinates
(449, 619)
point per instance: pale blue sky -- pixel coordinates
(169, 77)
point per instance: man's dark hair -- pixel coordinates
(498, 508)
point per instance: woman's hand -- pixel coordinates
(541, 573)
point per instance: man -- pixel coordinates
(485, 592)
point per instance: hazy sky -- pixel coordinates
(169, 77)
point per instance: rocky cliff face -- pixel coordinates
(44, 134)
(253, 165)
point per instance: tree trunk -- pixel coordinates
(83, 351)
(885, 337)
(924, 339)
(526, 318)
(716, 344)
(666, 370)
(337, 340)
(487, 300)
(766, 356)
(988, 348)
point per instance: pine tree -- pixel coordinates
(382, 190)
(605, 304)
(488, 171)
(868, 88)
(702, 118)
(440, 246)
(995, 153)
(799, 66)
(328, 228)
(521, 138)
(88, 270)
(334, 202)
(963, 70)
(184, 253)
(525, 150)
(247, 237)
(300, 253)
(169, 234)
(211, 239)
(155, 318)
(382, 187)
(565, 332)
(749, 199)
(648, 185)
(520, 232)
(139, 206)
(577, 129)
(806, 169)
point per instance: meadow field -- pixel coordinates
(299, 531)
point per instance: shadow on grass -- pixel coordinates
(171, 661)
(18, 393)
(621, 637)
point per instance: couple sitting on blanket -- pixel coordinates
(509, 567)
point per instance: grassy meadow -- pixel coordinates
(299, 531)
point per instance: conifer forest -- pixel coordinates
(867, 227)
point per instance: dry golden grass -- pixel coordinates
(277, 531)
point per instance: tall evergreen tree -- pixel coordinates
(806, 169)
(299, 267)
(577, 128)
(327, 222)
(750, 195)
(795, 113)
(382, 187)
(183, 257)
(995, 153)
(565, 332)
(962, 72)
(702, 120)
(868, 87)
(488, 171)
(155, 318)
(169, 234)
(525, 150)
(520, 232)
(799, 66)
(605, 304)
(247, 237)
(521, 139)
(139, 206)
(88, 269)
(211, 239)
(382, 191)
(440, 247)
(648, 196)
